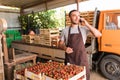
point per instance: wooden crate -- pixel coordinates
(89, 16)
(19, 74)
(80, 76)
(41, 70)
(46, 36)
(24, 37)
(32, 75)
(29, 38)
(36, 39)
(55, 41)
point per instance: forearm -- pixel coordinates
(66, 49)
(62, 45)
(93, 30)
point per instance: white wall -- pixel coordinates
(90, 5)
(99, 4)
(11, 18)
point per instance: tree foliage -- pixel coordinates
(45, 19)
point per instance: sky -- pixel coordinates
(90, 5)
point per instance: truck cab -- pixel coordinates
(108, 46)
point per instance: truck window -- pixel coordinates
(112, 20)
(110, 24)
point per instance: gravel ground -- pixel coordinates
(96, 76)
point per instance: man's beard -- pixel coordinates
(74, 22)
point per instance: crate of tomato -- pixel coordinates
(19, 74)
(56, 71)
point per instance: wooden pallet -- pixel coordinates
(46, 36)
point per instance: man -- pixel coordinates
(73, 38)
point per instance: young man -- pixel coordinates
(73, 38)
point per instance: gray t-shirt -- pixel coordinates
(74, 30)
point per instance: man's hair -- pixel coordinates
(71, 12)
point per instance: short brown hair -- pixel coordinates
(71, 12)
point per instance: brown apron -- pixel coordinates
(79, 55)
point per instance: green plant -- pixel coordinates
(47, 19)
(23, 19)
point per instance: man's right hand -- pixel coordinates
(69, 50)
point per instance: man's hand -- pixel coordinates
(84, 22)
(69, 50)
(63, 46)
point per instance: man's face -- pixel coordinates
(75, 17)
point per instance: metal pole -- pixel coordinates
(77, 1)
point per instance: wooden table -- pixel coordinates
(47, 52)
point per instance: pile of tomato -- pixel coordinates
(56, 70)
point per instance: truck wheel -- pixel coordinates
(110, 67)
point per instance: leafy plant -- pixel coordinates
(23, 19)
(45, 19)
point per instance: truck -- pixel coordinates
(104, 52)
(106, 49)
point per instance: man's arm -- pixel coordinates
(93, 30)
(63, 46)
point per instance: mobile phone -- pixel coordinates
(80, 21)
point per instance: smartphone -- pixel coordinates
(80, 21)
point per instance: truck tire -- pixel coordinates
(110, 67)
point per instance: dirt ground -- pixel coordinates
(96, 76)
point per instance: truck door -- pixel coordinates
(110, 41)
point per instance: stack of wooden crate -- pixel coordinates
(67, 20)
(49, 37)
(88, 15)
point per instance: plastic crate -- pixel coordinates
(12, 35)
